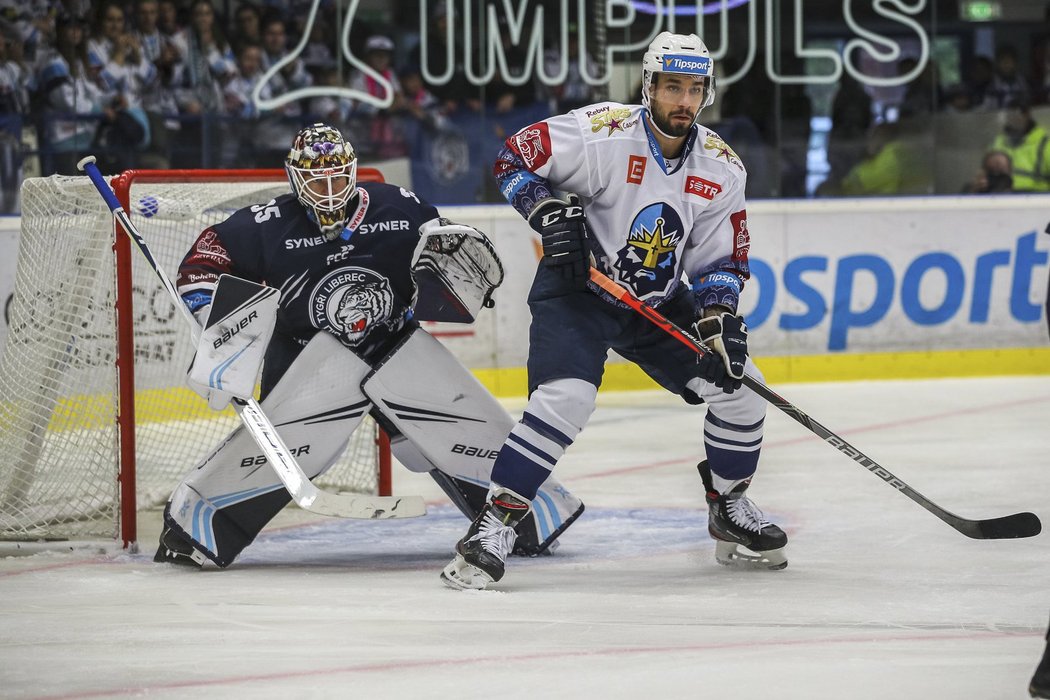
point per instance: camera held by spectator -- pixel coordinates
(995, 175)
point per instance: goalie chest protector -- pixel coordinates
(358, 287)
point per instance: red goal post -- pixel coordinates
(54, 394)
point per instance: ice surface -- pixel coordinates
(880, 599)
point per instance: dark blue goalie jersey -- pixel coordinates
(358, 287)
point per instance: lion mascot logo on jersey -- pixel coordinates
(350, 302)
(647, 263)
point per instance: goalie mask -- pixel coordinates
(684, 54)
(322, 170)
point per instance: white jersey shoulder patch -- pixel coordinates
(711, 146)
(605, 120)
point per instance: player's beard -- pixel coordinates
(673, 129)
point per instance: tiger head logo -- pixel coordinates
(363, 307)
(350, 302)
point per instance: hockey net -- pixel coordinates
(77, 461)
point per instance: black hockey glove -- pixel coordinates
(726, 336)
(563, 228)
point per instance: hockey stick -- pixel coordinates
(1006, 527)
(300, 488)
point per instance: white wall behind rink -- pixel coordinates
(840, 276)
(857, 275)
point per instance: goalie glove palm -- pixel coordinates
(563, 229)
(726, 336)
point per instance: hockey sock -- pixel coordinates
(555, 415)
(732, 450)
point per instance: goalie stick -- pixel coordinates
(1005, 527)
(299, 487)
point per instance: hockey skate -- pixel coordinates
(481, 554)
(735, 521)
(1039, 687)
(174, 549)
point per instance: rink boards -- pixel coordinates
(840, 289)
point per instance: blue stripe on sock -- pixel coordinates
(719, 423)
(518, 473)
(709, 437)
(532, 448)
(545, 429)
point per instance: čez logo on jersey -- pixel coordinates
(349, 302)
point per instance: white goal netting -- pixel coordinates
(60, 448)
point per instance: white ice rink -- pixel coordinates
(880, 599)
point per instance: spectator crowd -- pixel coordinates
(178, 84)
(172, 83)
(893, 154)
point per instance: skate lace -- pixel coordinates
(495, 537)
(746, 514)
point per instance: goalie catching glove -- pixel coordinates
(726, 337)
(456, 269)
(563, 229)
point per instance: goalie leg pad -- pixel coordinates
(225, 501)
(450, 423)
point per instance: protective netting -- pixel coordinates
(58, 383)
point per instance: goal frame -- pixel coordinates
(127, 511)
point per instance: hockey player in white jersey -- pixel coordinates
(658, 201)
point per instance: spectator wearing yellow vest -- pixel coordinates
(895, 163)
(1028, 146)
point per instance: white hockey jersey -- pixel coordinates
(652, 219)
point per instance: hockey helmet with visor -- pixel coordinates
(684, 54)
(322, 170)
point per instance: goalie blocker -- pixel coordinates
(441, 419)
(233, 342)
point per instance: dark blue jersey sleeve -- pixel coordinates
(236, 246)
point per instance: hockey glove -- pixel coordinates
(563, 229)
(726, 336)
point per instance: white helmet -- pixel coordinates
(678, 53)
(319, 156)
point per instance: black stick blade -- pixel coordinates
(1008, 527)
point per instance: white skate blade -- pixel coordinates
(737, 556)
(463, 576)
